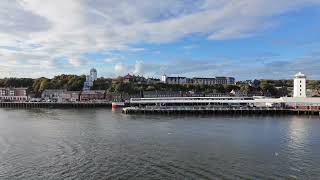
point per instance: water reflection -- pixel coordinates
(105, 144)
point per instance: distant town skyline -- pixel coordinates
(248, 39)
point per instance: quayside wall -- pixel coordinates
(212, 110)
(53, 105)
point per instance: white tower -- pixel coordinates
(93, 74)
(299, 89)
(164, 78)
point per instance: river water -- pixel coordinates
(102, 144)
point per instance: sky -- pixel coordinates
(247, 39)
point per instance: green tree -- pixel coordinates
(245, 89)
(44, 84)
(315, 85)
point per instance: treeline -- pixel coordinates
(136, 88)
(37, 86)
(16, 82)
(275, 88)
(69, 82)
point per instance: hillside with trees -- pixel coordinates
(37, 86)
(274, 88)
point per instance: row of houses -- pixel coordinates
(13, 94)
(198, 80)
(63, 95)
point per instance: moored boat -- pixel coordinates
(118, 104)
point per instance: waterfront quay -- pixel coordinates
(224, 105)
(217, 110)
(54, 104)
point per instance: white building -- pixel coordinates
(231, 80)
(174, 80)
(90, 79)
(299, 89)
(203, 81)
(13, 94)
(198, 80)
(54, 95)
(93, 74)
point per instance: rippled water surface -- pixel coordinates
(101, 144)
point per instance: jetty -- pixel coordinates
(224, 105)
(54, 104)
(217, 110)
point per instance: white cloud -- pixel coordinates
(72, 28)
(139, 68)
(282, 69)
(121, 69)
(77, 62)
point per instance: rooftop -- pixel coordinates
(300, 75)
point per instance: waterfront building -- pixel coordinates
(55, 95)
(299, 87)
(203, 81)
(149, 94)
(198, 80)
(91, 95)
(221, 80)
(71, 96)
(13, 94)
(90, 79)
(174, 80)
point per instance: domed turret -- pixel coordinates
(93, 70)
(93, 74)
(299, 87)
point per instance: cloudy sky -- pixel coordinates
(246, 39)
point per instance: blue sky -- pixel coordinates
(246, 39)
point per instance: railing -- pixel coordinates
(190, 98)
(80, 102)
(211, 108)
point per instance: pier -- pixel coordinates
(54, 104)
(224, 105)
(216, 110)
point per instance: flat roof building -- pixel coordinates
(299, 85)
(13, 94)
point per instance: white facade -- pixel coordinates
(164, 78)
(13, 94)
(299, 89)
(90, 79)
(93, 74)
(204, 81)
(173, 80)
